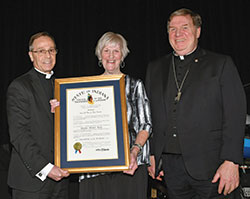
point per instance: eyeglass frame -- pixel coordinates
(42, 52)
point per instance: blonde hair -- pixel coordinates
(111, 38)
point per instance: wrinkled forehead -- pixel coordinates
(181, 20)
(43, 41)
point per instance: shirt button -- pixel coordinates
(174, 135)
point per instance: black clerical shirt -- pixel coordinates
(47, 83)
(181, 65)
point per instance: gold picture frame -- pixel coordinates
(91, 130)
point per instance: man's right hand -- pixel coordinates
(53, 104)
(57, 173)
(160, 176)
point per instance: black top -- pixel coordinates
(181, 65)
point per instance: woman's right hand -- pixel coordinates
(151, 168)
(133, 161)
(53, 104)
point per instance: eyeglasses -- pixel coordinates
(41, 52)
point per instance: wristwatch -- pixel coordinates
(139, 146)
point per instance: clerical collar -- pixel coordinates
(182, 57)
(47, 76)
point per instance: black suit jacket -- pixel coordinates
(212, 111)
(31, 131)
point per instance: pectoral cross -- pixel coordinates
(178, 96)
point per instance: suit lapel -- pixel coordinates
(194, 67)
(165, 77)
(165, 72)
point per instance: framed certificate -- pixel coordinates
(91, 130)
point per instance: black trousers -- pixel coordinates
(116, 185)
(180, 185)
(50, 190)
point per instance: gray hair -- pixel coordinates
(111, 38)
(183, 12)
(37, 35)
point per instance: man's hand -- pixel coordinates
(228, 173)
(57, 173)
(53, 104)
(161, 174)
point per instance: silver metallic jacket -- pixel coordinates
(138, 116)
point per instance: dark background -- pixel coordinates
(78, 24)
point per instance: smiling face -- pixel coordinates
(43, 62)
(183, 34)
(111, 57)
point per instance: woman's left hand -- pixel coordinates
(133, 162)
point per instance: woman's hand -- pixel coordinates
(53, 104)
(151, 168)
(140, 140)
(133, 161)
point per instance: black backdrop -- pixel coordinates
(78, 24)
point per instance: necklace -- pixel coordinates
(179, 87)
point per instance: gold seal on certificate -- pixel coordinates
(77, 146)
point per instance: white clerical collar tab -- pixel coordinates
(47, 76)
(182, 57)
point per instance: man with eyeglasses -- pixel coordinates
(31, 171)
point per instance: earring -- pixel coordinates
(122, 64)
(100, 63)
